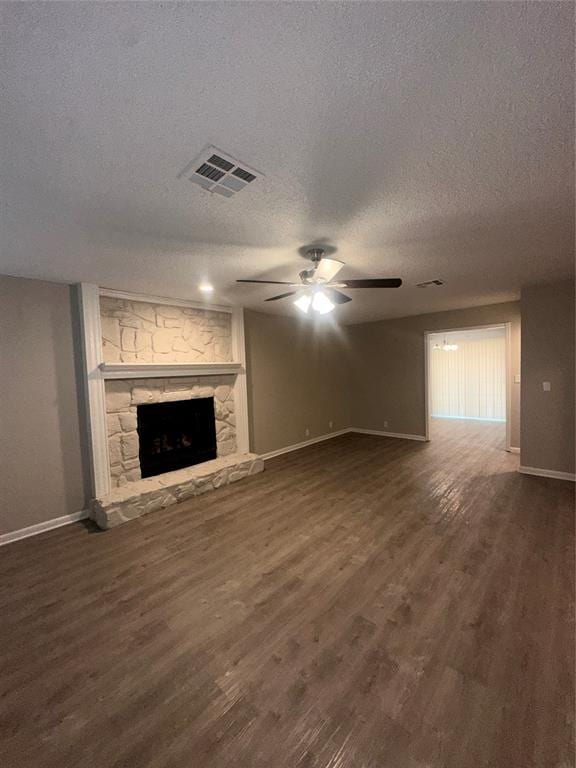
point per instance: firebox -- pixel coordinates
(176, 435)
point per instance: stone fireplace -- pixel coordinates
(167, 401)
(144, 332)
(124, 398)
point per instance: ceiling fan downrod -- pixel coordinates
(315, 254)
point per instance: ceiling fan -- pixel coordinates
(316, 289)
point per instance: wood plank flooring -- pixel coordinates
(364, 603)
(484, 434)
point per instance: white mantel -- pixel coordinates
(163, 370)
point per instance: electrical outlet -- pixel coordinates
(546, 386)
(307, 432)
(330, 424)
(386, 424)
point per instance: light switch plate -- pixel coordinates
(546, 386)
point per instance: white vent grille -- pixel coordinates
(429, 283)
(219, 172)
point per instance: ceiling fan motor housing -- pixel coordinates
(307, 275)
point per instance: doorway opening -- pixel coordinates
(468, 384)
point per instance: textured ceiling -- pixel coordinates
(422, 140)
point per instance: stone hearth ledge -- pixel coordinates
(154, 493)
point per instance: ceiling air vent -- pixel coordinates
(217, 171)
(429, 283)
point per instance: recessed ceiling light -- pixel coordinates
(205, 287)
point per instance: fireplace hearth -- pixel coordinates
(175, 435)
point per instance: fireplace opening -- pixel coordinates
(176, 435)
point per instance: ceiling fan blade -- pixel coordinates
(265, 282)
(281, 296)
(327, 269)
(376, 282)
(337, 297)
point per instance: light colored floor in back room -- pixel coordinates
(481, 434)
(366, 602)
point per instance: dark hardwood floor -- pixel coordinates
(364, 603)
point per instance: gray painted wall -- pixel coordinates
(41, 471)
(297, 379)
(548, 355)
(388, 366)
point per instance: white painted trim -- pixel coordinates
(240, 384)
(554, 474)
(304, 444)
(112, 294)
(47, 525)
(165, 370)
(421, 438)
(489, 327)
(508, 364)
(427, 385)
(89, 296)
(513, 449)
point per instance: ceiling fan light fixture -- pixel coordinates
(303, 303)
(445, 346)
(317, 289)
(321, 303)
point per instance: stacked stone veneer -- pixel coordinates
(157, 493)
(142, 332)
(124, 395)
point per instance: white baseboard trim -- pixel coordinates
(47, 525)
(321, 438)
(554, 474)
(304, 444)
(513, 449)
(421, 438)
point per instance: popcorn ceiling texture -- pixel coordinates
(141, 332)
(450, 151)
(124, 395)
